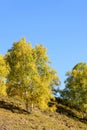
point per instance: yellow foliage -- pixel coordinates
(53, 108)
(3, 67)
(31, 76)
(3, 89)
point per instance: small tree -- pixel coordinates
(76, 87)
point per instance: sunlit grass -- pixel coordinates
(39, 120)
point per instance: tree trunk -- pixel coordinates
(26, 104)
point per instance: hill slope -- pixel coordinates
(37, 120)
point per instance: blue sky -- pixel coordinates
(60, 25)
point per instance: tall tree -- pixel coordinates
(48, 76)
(76, 86)
(3, 74)
(30, 75)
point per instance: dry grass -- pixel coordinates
(37, 120)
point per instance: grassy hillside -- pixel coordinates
(13, 117)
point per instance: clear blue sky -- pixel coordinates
(61, 25)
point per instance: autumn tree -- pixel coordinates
(31, 76)
(48, 76)
(76, 87)
(3, 74)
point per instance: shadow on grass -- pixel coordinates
(14, 108)
(69, 113)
